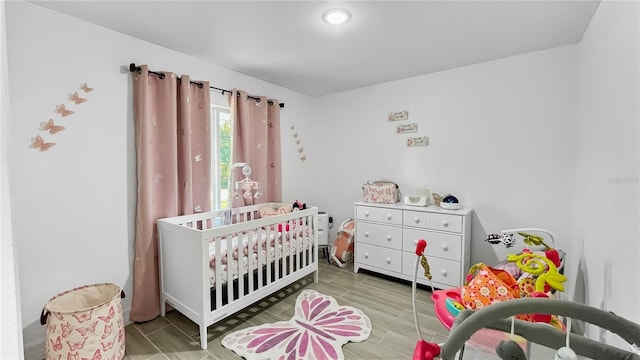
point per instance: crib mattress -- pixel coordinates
(277, 244)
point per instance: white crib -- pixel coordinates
(197, 281)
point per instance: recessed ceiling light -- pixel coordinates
(336, 16)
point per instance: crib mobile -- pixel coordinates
(246, 188)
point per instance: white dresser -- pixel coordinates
(387, 234)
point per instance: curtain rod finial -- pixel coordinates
(132, 67)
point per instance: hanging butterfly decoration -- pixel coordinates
(85, 88)
(61, 109)
(76, 98)
(303, 156)
(39, 143)
(51, 127)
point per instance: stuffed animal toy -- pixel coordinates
(297, 205)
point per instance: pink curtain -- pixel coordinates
(173, 148)
(256, 141)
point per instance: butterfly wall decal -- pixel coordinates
(39, 143)
(85, 88)
(76, 98)
(51, 127)
(61, 109)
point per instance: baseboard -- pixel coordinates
(36, 350)
(126, 315)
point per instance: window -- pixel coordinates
(221, 156)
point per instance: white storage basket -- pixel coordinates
(85, 322)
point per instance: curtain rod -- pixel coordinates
(133, 67)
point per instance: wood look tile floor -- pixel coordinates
(386, 302)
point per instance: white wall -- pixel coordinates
(501, 140)
(74, 205)
(10, 321)
(606, 207)
(504, 136)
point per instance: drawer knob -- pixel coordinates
(388, 237)
(388, 216)
(416, 220)
(444, 272)
(445, 223)
(366, 214)
(445, 247)
(366, 255)
(388, 260)
(366, 234)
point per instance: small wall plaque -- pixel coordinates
(418, 141)
(407, 128)
(400, 115)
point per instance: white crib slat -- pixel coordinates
(303, 240)
(270, 256)
(250, 262)
(239, 263)
(259, 243)
(283, 263)
(295, 254)
(295, 227)
(277, 255)
(230, 268)
(218, 269)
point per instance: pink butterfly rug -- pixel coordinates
(317, 330)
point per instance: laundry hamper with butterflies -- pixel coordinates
(85, 322)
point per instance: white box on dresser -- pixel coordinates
(387, 234)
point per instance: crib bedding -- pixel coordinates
(278, 244)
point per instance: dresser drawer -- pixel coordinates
(381, 215)
(447, 246)
(442, 271)
(379, 257)
(381, 235)
(416, 218)
(446, 222)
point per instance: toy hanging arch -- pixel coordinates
(495, 316)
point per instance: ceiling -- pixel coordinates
(288, 44)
